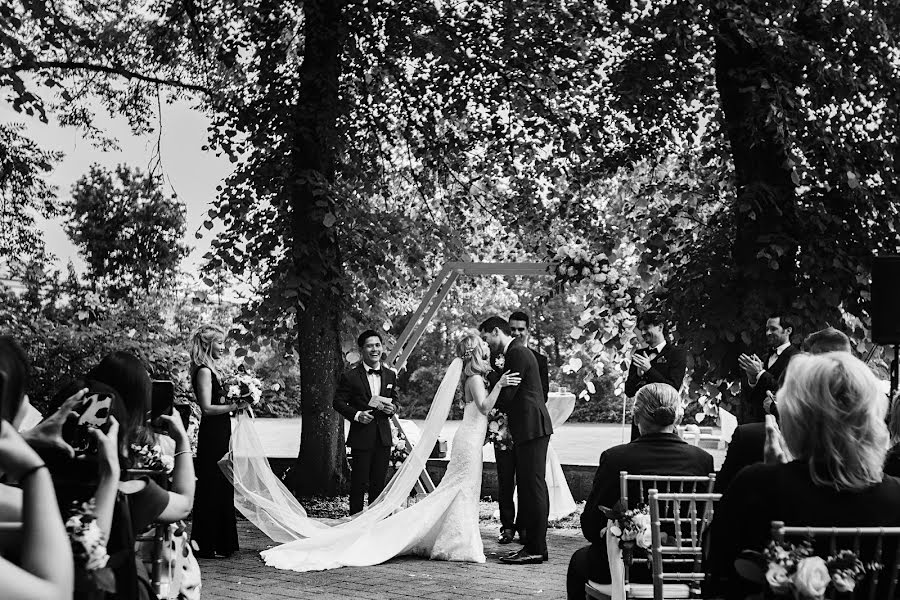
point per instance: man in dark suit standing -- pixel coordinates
(370, 430)
(761, 376)
(505, 456)
(530, 428)
(658, 362)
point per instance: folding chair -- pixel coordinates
(870, 544)
(682, 484)
(156, 538)
(690, 514)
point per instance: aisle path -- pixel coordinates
(244, 575)
(575, 443)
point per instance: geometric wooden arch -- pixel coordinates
(428, 307)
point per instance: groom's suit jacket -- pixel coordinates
(753, 398)
(525, 405)
(353, 394)
(494, 376)
(667, 367)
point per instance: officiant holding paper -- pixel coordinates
(366, 396)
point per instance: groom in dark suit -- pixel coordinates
(505, 457)
(659, 362)
(530, 428)
(370, 430)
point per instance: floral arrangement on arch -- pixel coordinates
(795, 571)
(630, 526)
(245, 385)
(498, 430)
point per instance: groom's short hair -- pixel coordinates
(495, 322)
(361, 340)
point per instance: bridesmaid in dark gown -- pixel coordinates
(214, 527)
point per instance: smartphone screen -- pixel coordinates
(185, 411)
(94, 413)
(163, 397)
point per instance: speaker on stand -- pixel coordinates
(885, 309)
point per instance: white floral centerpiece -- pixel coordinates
(151, 458)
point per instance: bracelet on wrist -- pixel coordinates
(31, 472)
(188, 451)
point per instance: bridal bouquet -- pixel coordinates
(498, 430)
(795, 571)
(631, 527)
(244, 385)
(398, 448)
(88, 549)
(152, 458)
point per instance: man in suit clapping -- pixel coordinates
(658, 362)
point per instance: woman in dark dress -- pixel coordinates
(214, 526)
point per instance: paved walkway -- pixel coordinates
(575, 443)
(245, 575)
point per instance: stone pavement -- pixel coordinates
(246, 576)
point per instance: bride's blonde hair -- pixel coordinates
(476, 357)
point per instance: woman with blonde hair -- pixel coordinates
(833, 421)
(214, 527)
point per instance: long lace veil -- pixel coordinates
(268, 504)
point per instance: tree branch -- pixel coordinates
(128, 74)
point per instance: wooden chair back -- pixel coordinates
(157, 537)
(689, 514)
(666, 483)
(870, 544)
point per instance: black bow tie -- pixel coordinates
(373, 372)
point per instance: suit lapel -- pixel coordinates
(365, 381)
(384, 382)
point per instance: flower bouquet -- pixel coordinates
(498, 430)
(795, 571)
(398, 448)
(631, 527)
(245, 385)
(88, 549)
(151, 458)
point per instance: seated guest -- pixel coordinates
(43, 568)
(892, 462)
(832, 417)
(659, 451)
(145, 502)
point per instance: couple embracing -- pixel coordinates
(444, 525)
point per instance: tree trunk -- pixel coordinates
(321, 466)
(765, 215)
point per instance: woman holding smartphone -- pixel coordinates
(214, 526)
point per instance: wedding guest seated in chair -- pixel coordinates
(659, 451)
(833, 423)
(39, 565)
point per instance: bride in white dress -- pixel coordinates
(441, 526)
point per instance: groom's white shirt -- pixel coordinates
(374, 384)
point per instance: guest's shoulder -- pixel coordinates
(761, 475)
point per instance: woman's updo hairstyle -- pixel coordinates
(657, 406)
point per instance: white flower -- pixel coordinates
(644, 536)
(234, 390)
(168, 462)
(812, 578)
(494, 426)
(276, 387)
(778, 578)
(616, 531)
(843, 581)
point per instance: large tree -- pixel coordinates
(127, 230)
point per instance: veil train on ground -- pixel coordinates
(265, 501)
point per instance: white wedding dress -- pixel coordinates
(441, 526)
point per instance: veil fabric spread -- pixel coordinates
(309, 544)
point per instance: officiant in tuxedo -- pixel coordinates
(505, 455)
(366, 395)
(658, 362)
(530, 427)
(763, 375)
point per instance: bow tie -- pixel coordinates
(373, 372)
